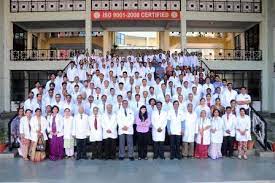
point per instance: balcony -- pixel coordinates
(18, 6)
(227, 54)
(136, 5)
(43, 55)
(232, 6)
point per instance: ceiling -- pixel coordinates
(218, 26)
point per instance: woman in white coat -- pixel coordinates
(68, 137)
(25, 134)
(243, 133)
(56, 132)
(216, 136)
(39, 137)
(159, 122)
(203, 136)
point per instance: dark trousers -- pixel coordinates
(81, 149)
(109, 148)
(227, 146)
(158, 150)
(142, 142)
(175, 141)
(97, 150)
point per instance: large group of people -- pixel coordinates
(153, 98)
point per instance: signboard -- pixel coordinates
(135, 15)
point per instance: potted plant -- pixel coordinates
(251, 143)
(3, 144)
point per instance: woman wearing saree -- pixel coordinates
(38, 136)
(203, 136)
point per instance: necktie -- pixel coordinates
(176, 113)
(80, 116)
(137, 104)
(125, 112)
(119, 106)
(95, 123)
(145, 101)
(227, 116)
(104, 106)
(171, 92)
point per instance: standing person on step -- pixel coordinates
(159, 122)
(81, 132)
(95, 121)
(125, 120)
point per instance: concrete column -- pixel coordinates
(88, 28)
(2, 56)
(266, 72)
(29, 41)
(183, 28)
(107, 41)
(8, 45)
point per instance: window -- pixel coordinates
(120, 39)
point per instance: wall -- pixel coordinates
(98, 41)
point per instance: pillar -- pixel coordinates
(267, 69)
(88, 27)
(8, 45)
(29, 41)
(183, 26)
(2, 53)
(164, 40)
(107, 41)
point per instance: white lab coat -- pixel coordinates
(206, 134)
(59, 125)
(159, 121)
(175, 122)
(123, 120)
(229, 124)
(81, 126)
(243, 123)
(95, 134)
(109, 122)
(217, 124)
(35, 128)
(24, 127)
(190, 126)
(68, 127)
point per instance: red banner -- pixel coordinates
(135, 15)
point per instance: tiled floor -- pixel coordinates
(158, 171)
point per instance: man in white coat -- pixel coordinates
(81, 132)
(159, 122)
(125, 120)
(174, 128)
(229, 131)
(189, 132)
(109, 127)
(95, 121)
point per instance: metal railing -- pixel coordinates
(227, 54)
(239, 6)
(136, 5)
(43, 54)
(259, 128)
(17, 6)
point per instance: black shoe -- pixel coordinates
(92, 158)
(121, 158)
(132, 159)
(171, 158)
(155, 157)
(163, 158)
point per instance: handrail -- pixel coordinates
(9, 133)
(203, 63)
(98, 5)
(239, 6)
(259, 128)
(17, 6)
(43, 54)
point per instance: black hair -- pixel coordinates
(144, 116)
